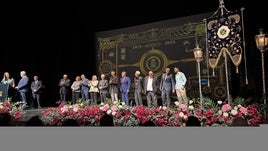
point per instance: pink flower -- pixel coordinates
(243, 110)
(64, 109)
(105, 107)
(114, 108)
(183, 107)
(75, 107)
(226, 108)
(47, 112)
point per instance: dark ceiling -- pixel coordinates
(50, 38)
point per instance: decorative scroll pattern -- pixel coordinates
(156, 34)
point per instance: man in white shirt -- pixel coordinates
(180, 80)
(150, 88)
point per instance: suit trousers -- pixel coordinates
(125, 97)
(165, 94)
(36, 97)
(23, 97)
(138, 99)
(151, 98)
(103, 96)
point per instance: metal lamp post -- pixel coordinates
(198, 55)
(262, 43)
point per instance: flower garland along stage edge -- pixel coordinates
(214, 113)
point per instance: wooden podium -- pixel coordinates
(3, 92)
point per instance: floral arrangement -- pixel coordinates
(15, 109)
(222, 114)
(85, 115)
(211, 114)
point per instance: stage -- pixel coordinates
(27, 114)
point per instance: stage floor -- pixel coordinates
(28, 113)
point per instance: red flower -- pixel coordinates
(4, 110)
(160, 122)
(17, 115)
(6, 104)
(208, 113)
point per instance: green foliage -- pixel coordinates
(79, 101)
(209, 103)
(238, 101)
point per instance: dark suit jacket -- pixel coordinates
(113, 87)
(155, 84)
(138, 83)
(167, 82)
(36, 86)
(65, 87)
(103, 86)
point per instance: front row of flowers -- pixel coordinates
(214, 114)
(218, 115)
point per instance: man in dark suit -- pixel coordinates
(150, 88)
(64, 84)
(103, 87)
(113, 86)
(36, 86)
(138, 88)
(23, 87)
(167, 85)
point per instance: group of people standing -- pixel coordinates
(149, 86)
(168, 84)
(22, 88)
(91, 90)
(83, 88)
